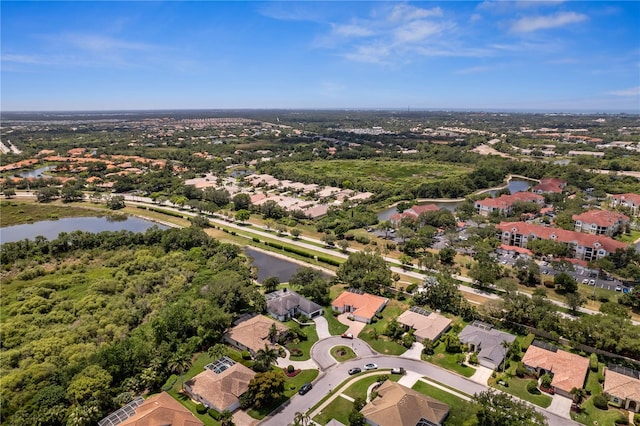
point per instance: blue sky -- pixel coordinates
(498, 55)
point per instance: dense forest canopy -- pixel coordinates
(89, 320)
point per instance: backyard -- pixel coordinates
(589, 413)
(383, 344)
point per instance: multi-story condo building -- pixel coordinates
(504, 203)
(600, 222)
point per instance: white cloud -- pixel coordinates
(416, 31)
(403, 13)
(473, 70)
(633, 91)
(352, 30)
(99, 43)
(534, 23)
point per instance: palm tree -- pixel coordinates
(301, 419)
(265, 357)
(507, 347)
(578, 394)
(273, 333)
(179, 363)
(226, 418)
(217, 351)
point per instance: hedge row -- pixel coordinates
(302, 253)
(167, 212)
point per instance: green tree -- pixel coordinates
(179, 363)
(243, 215)
(226, 418)
(367, 271)
(92, 383)
(301, 419)
(565, 282)
(241, 201)
(574, 301)
(9, 192)
(500, 409)
(266, 388)
(270, 284)
(295, 232)
(447, 255)
(217, 351)
(115, 202)
(265, 357)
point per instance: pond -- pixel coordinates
(515, 185)
(51, 228)
(271, 266)
(37, 173)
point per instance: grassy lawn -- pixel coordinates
(292, 385)
(590, 414)
(382, 344)
(342, 353)
(21, 212)
(629, 238)
(338, 409)
(191, 406)
(304, 345)
(449, 361)
(439, 394)
(359, 388)
(518, 387)
(336, 328)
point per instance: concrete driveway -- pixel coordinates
(322, 327)
(561, 406)
(355, 327)
(414, 352)
(481, 375)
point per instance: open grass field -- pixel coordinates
(394, 173)
(18, 212)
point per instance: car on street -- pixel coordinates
(347, 335)
(305, 388)
(353, 371)
(397, 370)
(370, 366)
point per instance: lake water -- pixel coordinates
(271, 266)
(37, 173)
(51, 228)
(513, 186)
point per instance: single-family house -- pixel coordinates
(580, 245)
(505, 203)
(159, 409)
(600, 222)
(487, 341)
(284, 303)
(363, 306)
(622, 387)
(398, 405)
(253, 334)
(568, 370)
(426, 325)
(629, 200)
(220, 390)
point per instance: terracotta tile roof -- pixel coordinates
(506, 201)
(253, 332)
(550, 185)
(603, 218)
(516, 249)
(365, 305)
(224, 389)
(621, 386)
(162, 409)
(569, 370)
(417, 210)
(397, 405)
(562, 235)
(426, 326)
(634, 198)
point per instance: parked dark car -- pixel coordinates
(353, 371)
(305, 388)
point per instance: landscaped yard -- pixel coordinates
(292, 385)
(590, 414)
(338, 409)
(518, 387)
(336, 328)
(303, 345)
(449, 361)
(383, 344)
(439, 394)
(359, 389)
(342, 353)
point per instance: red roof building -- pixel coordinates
(549, 186)
(600, 222)
(629, 200)
(504, 203)
(581, 246)
(414, 212)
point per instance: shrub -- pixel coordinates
(411, 287)
(213, 413)
(201, 409)
(593, 362)
(246, 355)
(532, 387)
(622, 421)
(521, 371)
(362, 239)
(473, 358)
(545, 381)
(290, 369)
(600, 401)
